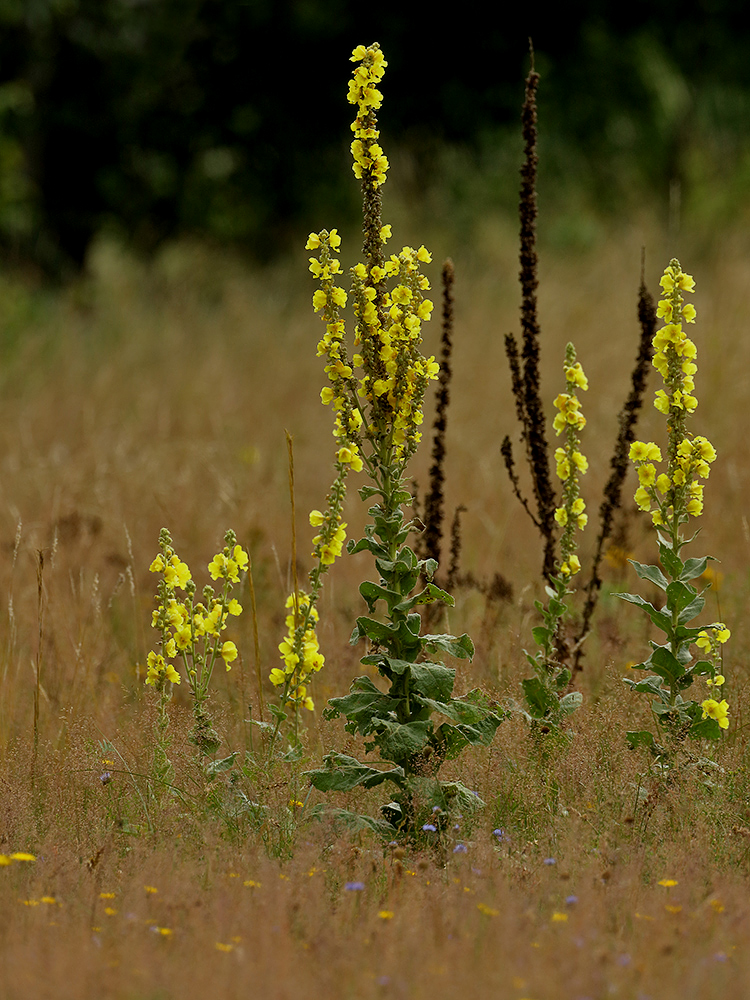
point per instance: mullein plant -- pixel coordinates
(673, 497)
(191, 637)
(548, 700)
(376, 395)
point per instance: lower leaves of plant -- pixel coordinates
(673, 497)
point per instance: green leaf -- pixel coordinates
(679, 595)
(651, 573)
(433, 680)
(388, 635)
(694, 568)
(694, 608)
(427, 596)
(459, 646)
(671, 562)
(640, 738)
(399, 742)
(428, 567)
(215, 767)
(457, 710)
(665, 664)
(357, 823)
(364, 704)
(366, 492)
(705, 729)
(541, 635)
(649, 685)
(540, 701)
(702, 667)
(343, 773)
(372, 593)
(657, 617)
(570, 702)
(362, 545)
(456, 738)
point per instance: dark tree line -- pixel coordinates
(158, 117)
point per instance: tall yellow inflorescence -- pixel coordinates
(571, 462)
(673, 496)
(363, 91)
(376, 394)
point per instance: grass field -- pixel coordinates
(150, 395)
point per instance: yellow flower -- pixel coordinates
(172, 675)
(176, 573)
(718, 710)
(228, 653)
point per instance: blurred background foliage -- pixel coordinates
(227, 120)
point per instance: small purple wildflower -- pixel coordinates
(105, 778)
(720, 956)
(623, 959)
(429, 828)
(460, 849)
(550, 861)
(354, 886)
(571, 900)
(501, 835)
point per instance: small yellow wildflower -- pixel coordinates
(718, 710)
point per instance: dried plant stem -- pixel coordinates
(39, 649)
(256, 640)
(434, 502)
(525, 383)
(627, 420)
(295, 579)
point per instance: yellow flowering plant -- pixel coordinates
(376, 394)
(191, 632)
(673, 497)
(548, 700)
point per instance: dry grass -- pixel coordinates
(159, 396)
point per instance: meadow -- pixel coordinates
(157, 394)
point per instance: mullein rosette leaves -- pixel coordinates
(376, 395)
(673, 497)
(547, 697)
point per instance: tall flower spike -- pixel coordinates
(675, 495)
(571, 462)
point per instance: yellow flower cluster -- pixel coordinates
(664, 494)
(183, 623)
(710, 642)
(675, 353)
(369, 160)
(674, 495)
(341, 392)
(570, 462)
(228, 565)
(329, 542)
(158, 668)
(395, 373)
(176, 573)
(300, 652)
